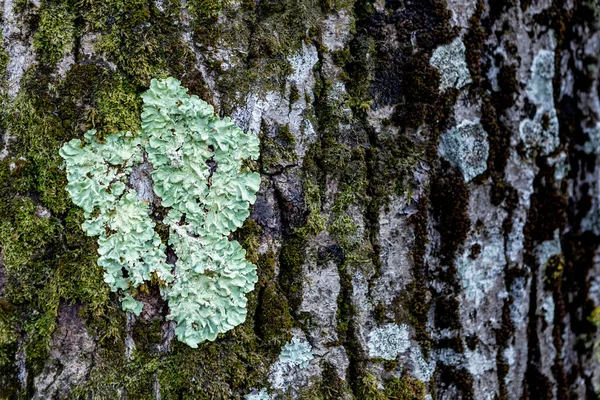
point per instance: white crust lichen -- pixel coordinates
(451, 63)
(541, 131)
(198, 175)
(388, 341)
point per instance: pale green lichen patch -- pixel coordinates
(97, 173)
(197, 163)
(296, 353)
(294, 356)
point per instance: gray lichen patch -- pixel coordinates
(466, 147)
(541, 132)
(480, 276)
(389, 341)
(421, 368)
(451, 63)
(539, 87)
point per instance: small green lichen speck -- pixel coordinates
(197, 172)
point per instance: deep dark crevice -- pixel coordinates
(540, 226)
(418, 303)
(330, 137)
(450, 377)
(292, 254)
(405, 79)
(537, 386)
(570, 290)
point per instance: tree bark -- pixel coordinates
(428, 167)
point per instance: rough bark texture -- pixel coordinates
(427, 163)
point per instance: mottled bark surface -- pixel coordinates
(428, 166)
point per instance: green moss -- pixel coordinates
(48, 260)
(316, 221)
(294, 94)
(274, 322)
(285, 135)
(553, 271)
(368, 388)
(331, 386)
(4, 58)
(118, 108)
(8, 347)
(379, 314)
(223, 369)
(594, 316)
(508, 84)
(205, 9)
(340, 57)
(416, 302)
(55, 35)
(344, 228)
(446, 312)
(43, 269)
(248, 236)
(459, 378)
(406, 388)
(147, 335)
(140, 40)
(291, 259)
(449, 202)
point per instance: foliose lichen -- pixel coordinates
(198, 176)
(97, 174)
(388, 341)
(466, 147)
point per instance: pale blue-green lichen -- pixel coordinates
(97, 173)
(388, 341)
(199, 177)
(294, 355)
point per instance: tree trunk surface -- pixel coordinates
(428, 218)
